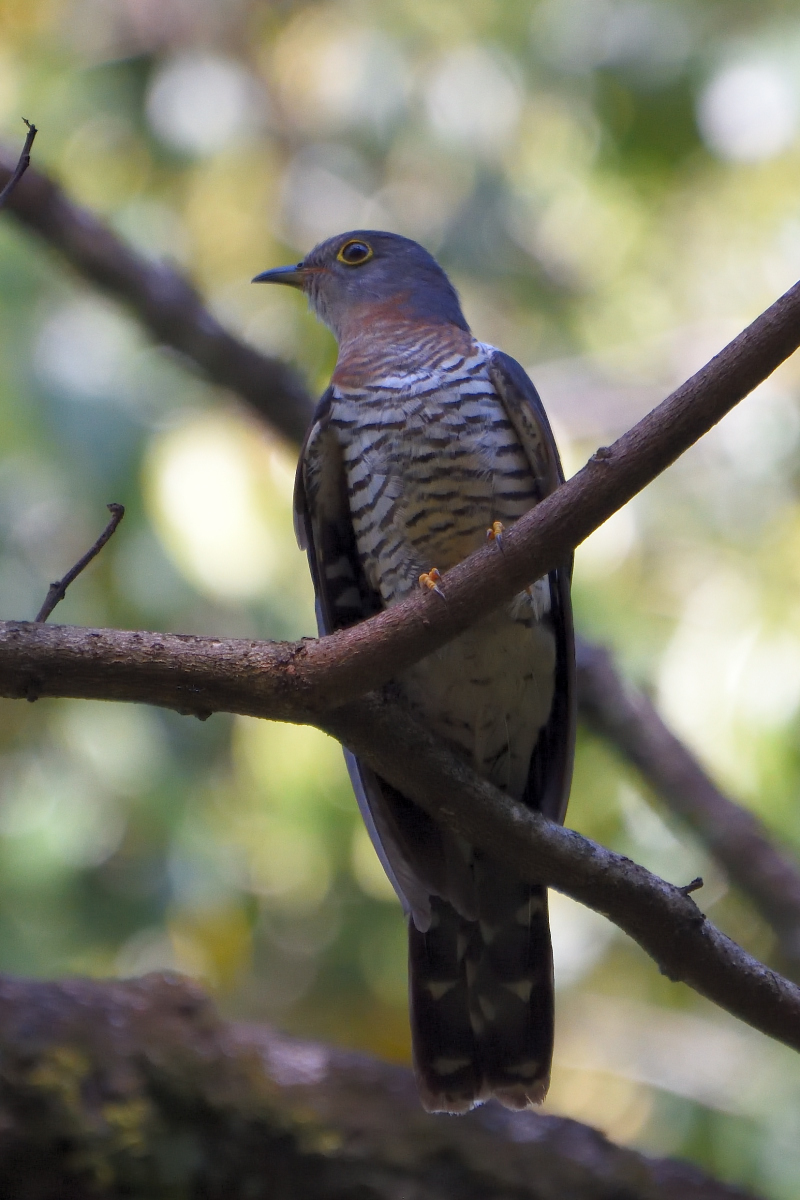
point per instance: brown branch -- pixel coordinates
(22, 165)
(664, 921)
(170, 308)
(350, 663)
(734, 836)
(58, 590)
(205, 675)
(138, 1088)
(363, 657)
(164, 301)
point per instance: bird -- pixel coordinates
(426, 443)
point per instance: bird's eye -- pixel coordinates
(354, 253)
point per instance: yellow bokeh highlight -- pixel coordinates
(291, 766)
(104, 164)
(285, 775)
(220, 499)
(228, 210)
(287, 862)
(619, 1107)
(213, 945)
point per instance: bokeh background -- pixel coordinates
(615, 187)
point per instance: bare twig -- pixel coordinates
(165, 302)
(22, 165)
(205, 675)
(58, 590)
(137, 1088)
(734, 836)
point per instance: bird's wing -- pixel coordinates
(550, 769)
(324, 530)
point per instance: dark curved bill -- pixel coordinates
(293, 276)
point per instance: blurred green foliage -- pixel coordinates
(613, 184)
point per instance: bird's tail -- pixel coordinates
(482, 998)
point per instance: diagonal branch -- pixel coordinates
(204, 675)
(363, 657)
(170, 308)
(734, 836)
(22, 165)
(164, 301)
(58, 590)
(665, 922)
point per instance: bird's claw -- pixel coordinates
(495, 534)
(429, 581)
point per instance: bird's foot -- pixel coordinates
(429, 581)
(495, 534)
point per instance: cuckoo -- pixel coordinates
(427, 442)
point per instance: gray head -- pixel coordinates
(366, 274)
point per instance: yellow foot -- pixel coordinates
(429, 581)
(495, 534)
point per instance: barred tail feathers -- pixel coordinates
(482, 998)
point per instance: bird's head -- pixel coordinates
(368, 276)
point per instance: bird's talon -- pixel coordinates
(429, 580)
(495, 534)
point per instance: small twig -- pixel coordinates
(58, 590)
(22, 165)
(694, 886)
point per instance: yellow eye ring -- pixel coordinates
(354, 253)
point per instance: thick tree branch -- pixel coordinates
(360, 659)
(169, 307)
(363, 657)
(164, 301)
(338, 668)
(278, 675)
(734, 836)
(204, 675)
(659, 916)
(138, 1088)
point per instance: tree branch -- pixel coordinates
(336, 669)
(137, 1088)
(58, 590)
(170, 308)
(164, 301)
(734, 836)
(666, 923)
(363, 657)
(22, 165)
(366, 656)
(205, 675)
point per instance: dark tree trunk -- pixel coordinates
(140, 1089)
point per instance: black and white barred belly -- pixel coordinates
(431, 461)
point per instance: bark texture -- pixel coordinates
(205, 675)
(139, 1089)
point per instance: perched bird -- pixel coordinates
(426, 442)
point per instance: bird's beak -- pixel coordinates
(294, 276)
